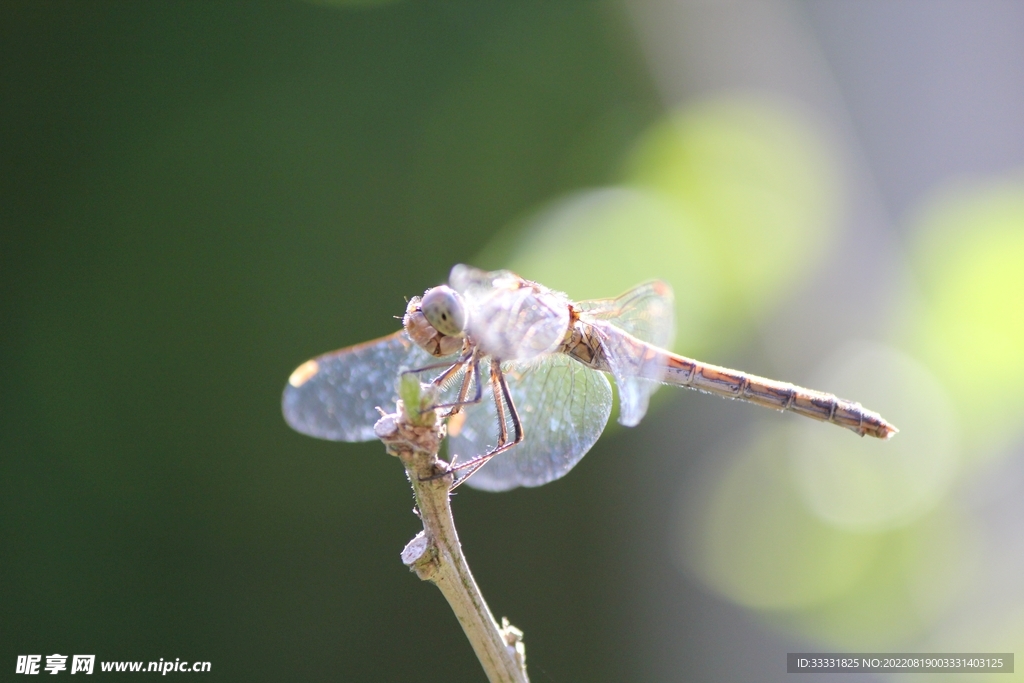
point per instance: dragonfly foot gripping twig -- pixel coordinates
(435, 553)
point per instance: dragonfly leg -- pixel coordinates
(447, 374)
(502, 397)
(450, 372)
(474, 375)
(499, 407)
(517, 424)
(432, 366)
(473, 464)
(500, 389)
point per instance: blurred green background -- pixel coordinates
(196, 197)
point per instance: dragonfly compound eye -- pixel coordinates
(444, 310)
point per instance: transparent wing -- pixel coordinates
(335, 396)
(564, 407)
(509, 317)
(647, 313)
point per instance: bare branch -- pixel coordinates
(414, 435)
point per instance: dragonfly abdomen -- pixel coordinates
(587, 345)
(774, 394)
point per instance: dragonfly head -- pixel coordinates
(445, 311)
(437, 321)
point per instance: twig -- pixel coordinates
(414, 435)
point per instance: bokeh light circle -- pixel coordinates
(760, 180)
(753, 540)
(863, 484)
(969, 256)
(599, 243)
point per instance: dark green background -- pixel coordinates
(194, 198)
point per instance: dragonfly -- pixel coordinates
(544, 360)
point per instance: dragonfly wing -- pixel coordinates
(509, 317)
(647, 313)
(627, 361)
(335, 396)
(564, 407)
